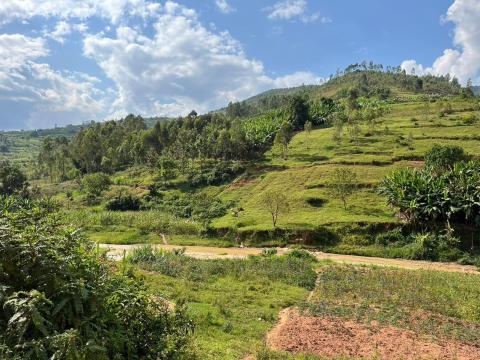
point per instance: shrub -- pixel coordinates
(12, 179)
(58, 300)
(124, 202)
(302, 254)
(394, 236)
(95, 184)
(443, 157)
(213, 173)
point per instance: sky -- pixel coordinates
(72, 61)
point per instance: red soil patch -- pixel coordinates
(240, 183)
(334, 337)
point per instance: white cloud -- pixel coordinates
(294, 9)
(182, 66)
(47, 93)
(113, 10)
(62, 29)
(464, 61)
(224, 6)
(17, 49)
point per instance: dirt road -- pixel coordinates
(204, 252)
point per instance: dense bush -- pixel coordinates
(124, 202)
(443, 157)
(12, 179)
(394, 236)
(213, 173)
(200, 206)
(95, 184)
(59, 300)
(426, 197)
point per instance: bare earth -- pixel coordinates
(332, 337)
(204, 252)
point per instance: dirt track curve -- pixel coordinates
(204, 252)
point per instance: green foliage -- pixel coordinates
(201, 206)
(426, 197)
(260, 131)
(58, 300)
(297, 112)
(283, 137)
(213, 173)
(291, 270)
(167, 168)
(95, 184)
(12, 179)
(124, 202)
(443, 157)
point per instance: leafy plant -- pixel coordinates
(60, 300)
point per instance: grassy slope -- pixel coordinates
(233, 302)
(312, 160)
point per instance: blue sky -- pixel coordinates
(68, 61)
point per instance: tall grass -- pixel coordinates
(289, 269)
(145, 221)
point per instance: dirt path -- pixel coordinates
(206, 252)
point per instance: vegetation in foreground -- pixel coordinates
(232, 302)
(60, 300)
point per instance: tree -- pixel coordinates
(275, 203)
(342, 184)
(12, 179)
(167, 168)
(298, 109)
(308, 130)
(283, 137)
(95, 184)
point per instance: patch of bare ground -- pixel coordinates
(240, 183)
(334, 337)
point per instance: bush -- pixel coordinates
(443, 157)
(213, 173)
(58, 300)
(394, 236)
(12, 179)
(302, 254)
(124, 202)
(95, 184)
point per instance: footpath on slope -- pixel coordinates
(117, 252)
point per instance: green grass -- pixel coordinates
(312, 159)
(402, 298)
(233, 302)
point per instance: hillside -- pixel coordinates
(250, 217)
(235, 180)
(389, 83)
